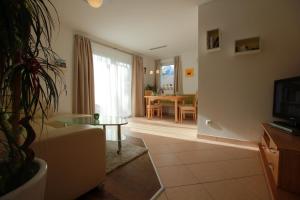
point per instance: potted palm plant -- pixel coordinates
(28, 82)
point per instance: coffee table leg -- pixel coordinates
(119, 140)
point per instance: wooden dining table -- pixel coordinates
(174, 99)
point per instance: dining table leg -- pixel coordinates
(148, 108)
(146, 105)
(176, 111)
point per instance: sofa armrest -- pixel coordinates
(76, 160)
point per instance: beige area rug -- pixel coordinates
(129, 153)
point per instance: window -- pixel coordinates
(112, 75)
(167, 78)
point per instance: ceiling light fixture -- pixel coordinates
(160, 47)
(95, 3)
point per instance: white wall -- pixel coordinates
(235, 92)
(188, 60)
(149, 63)
(62, 44)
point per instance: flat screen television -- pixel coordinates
(287, 100)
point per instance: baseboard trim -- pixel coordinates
(231, 141)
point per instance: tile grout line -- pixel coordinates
(189, 164)
(209, 194)
(151, 128)
(166, 194)
(164, 135)
(166, 123)
(186, 151)
(159, 125)
(232, 178)
(216, 146)
(221, 180)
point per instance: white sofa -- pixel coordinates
(76, 159)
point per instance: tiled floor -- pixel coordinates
(137, 180)
(192, 169)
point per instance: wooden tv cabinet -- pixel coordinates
(280, 153)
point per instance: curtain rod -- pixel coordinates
(109, 46)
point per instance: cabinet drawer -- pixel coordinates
(268, 142)
(272, 156)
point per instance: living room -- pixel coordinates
(223, 61)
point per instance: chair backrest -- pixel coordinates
(148, 92)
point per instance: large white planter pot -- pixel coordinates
(34, 189)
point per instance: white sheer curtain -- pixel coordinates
(112, 83)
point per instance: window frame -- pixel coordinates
(173, 83)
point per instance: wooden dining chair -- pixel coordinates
(154, 107)
(189, 109)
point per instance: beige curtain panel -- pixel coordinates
(157, 76)
(138, 107)
(83, 87)
(178, 76)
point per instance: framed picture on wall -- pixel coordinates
(189, 72)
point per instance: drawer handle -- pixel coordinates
(270, 165)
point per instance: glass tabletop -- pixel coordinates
(106, 121)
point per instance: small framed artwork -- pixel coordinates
(189, 72)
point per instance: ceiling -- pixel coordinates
(138, 25)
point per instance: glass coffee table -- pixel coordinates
(102, 121)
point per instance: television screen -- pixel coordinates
(287, 99)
